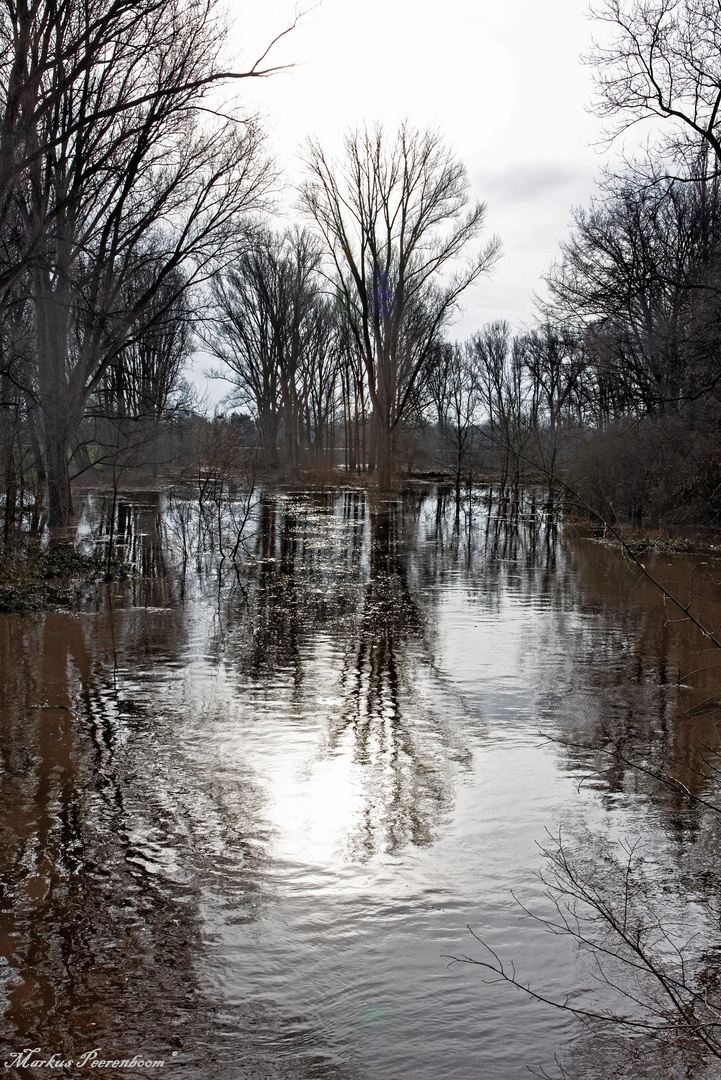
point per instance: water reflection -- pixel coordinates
(110, 844)
(86, 917)
(651, 681)
(328, 625)
(405, 783)
(254, 792)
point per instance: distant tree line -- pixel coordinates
(136, 230)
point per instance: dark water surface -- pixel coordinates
(248, 810)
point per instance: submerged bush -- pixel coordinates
(33, 578)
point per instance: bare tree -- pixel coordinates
(503, 390)
(319, 379)
(47, 49)
(663, 61)
(264, 329)
(649, 954)
(638, 284)
(354, 396)
(395, 219)
(141, 381)
(639, 276)
(142, 192)
(143, 394)
(555, 362)
(453, 386)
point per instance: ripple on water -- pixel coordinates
(254, 826)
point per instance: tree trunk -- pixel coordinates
(364, 437)
(60, 412)
(268, 431)
(60, 501)
(39, 463)
(385, 455)
(356, 437)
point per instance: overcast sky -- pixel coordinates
(500, 79)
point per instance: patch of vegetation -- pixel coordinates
(653, 543)
(33, 578)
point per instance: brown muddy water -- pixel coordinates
(249, 809)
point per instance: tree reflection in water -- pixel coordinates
(406, 788)
(156, 746)
(332, 574)
(112, 839)
(87, 919)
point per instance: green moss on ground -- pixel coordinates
(39, 579)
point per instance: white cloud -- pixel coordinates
(501, 79)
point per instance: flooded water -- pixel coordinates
(251, 806)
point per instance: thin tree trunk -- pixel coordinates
(60, 412)
(385, 457)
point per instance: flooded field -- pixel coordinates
(253, 798)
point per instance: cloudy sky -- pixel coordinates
(502, 81)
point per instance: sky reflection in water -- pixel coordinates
(245, 815)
